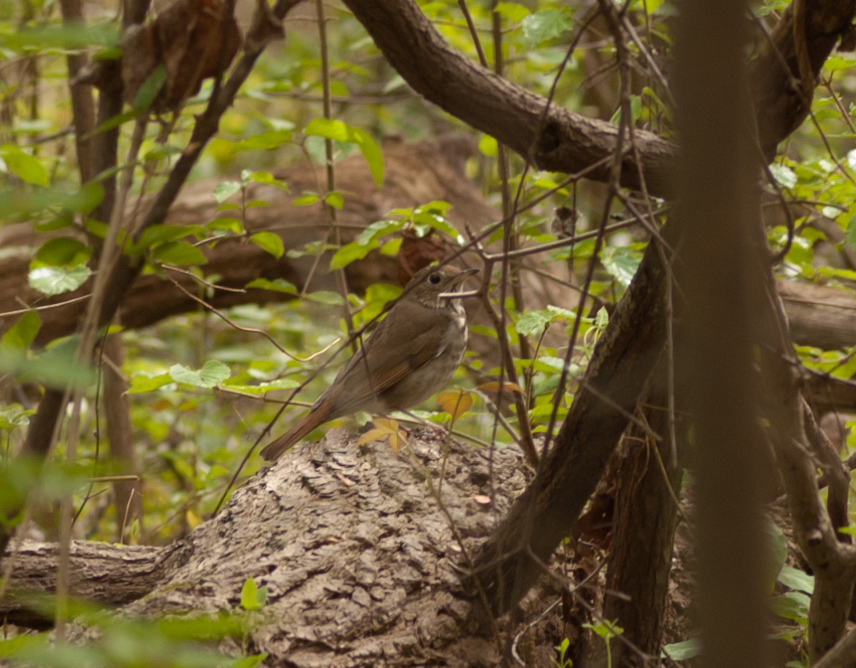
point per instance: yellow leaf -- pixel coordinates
(372, 435)
(384, 428)
(388, 425)
(455, 402)
(193, 520)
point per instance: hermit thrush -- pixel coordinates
(411, 355)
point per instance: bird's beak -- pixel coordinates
(453, 293)
(465, 274)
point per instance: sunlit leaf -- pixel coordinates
(252, 596)
(147, 384)
(337, 130)
(512, 11)
(268, 179)
(52, 281)
(546, 25)
(25, 166)
(265, 140)
(278, 284)
(488, 146)
(686, 649)
(212, 373)
(784, 175)
(620, 263)
(532, 323)
(225, 190)
(20, 335)
(796, 579)
(335, 200)
(351, 252)
(270, 242)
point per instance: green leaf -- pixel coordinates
(179, 253)
(546, 25)
(850, 234)
(228, 224)
(335, 200)
(25, 166)
(270, 242)
(63, 37)
(278, 284)
(20, 335)
(512, 11)
(488, 146)
(250, 661)
(351, 252)
(532, 323)
(253, 597)
(159, 234)
(56, 367)
(338, 131)
(62, 251)
(248, 594)
(686, 649)
(265, 140)
(796, 579)
(150, 89)
(326, 297)
(12, 417)
(652, 6)
(269, 179)
(792, 605)
(225, 190)
(306, 199)
(212, 373)
(263, 388)
(778, 548)
(52, 281)
(378, 229)
(148, 383)
(784, 175)
(620, 263)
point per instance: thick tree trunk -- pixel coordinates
(361, 550)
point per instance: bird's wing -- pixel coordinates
(382, 362)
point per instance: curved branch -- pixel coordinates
(559, 141)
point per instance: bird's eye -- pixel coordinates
(434, 278)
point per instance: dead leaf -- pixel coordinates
(506, 387)
(455, 402)
(192, 40)
(385, 428)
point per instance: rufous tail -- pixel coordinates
(307, 423)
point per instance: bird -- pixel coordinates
(411, 355)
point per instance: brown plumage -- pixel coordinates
(411, 355)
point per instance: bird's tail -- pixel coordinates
(307, 423)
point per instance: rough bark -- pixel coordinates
(112, 575)
(609, 389)
(646, 513)
(621, 362)
(360, 557)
